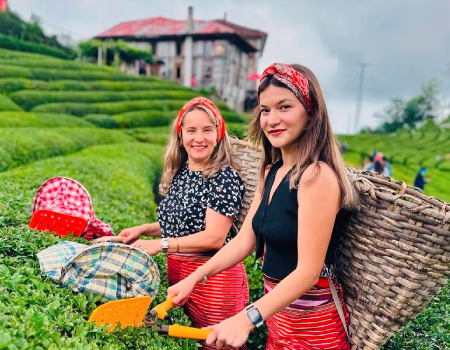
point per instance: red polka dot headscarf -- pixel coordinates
(294, 81)
(210, 108)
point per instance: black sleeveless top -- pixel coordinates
(276, 226)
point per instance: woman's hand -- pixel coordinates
(109, 239)
(151, 246)
(232, 332)
(131, 234)
(182, 290)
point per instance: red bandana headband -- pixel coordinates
(210, 108)
(294, 80)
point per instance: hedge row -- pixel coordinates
(11, 71)
(11, 43)
(160, 134)
(148, 118)
(44, 120)
(30, 99)
(20, 146)
(112, 108)
(156, 135)
(101, 120)
(35, 312)
(7, 105)
(53, 63)
(8, 85)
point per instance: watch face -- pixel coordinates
(254, 316)
(165, 243)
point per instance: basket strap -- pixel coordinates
(337, 302)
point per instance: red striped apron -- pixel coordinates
(310, 322)
(222, 296)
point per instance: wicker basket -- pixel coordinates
(395, 252)
(395, 257)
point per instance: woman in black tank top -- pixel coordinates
(293, 222)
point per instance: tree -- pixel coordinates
(410, 113)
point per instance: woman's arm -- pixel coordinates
(152, 230)
(217, 227)
(132, 234)
(318, 204)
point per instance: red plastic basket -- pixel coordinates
(61, 224)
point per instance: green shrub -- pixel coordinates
(8, 85)
(20, 146)
(157, 135)
(11, 71)
(35, 312)
(145, 118)
(102, 121)
(7, 105)
(231, 116)
(25, 119)
(111, 108)
(161, 134)
(30, 99)
(53, 63)
(11, 43)
(237, 129)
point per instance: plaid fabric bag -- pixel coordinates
(112, 270)
(66, 196)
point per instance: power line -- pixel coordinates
(363, 66)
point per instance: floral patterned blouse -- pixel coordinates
(182, 212)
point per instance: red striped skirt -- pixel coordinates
(222, 296)
(310, 322)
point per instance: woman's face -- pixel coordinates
(283, 117)
(199, 136)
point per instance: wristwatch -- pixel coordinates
(165, 245)
(254, 315)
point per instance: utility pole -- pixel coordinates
(363, 66)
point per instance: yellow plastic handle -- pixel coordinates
(162, 309)
(178, 331)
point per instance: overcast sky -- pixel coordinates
(404, 42)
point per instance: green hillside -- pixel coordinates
(408, 151)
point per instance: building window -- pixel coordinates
(179, 45)
(178, 70)
(208, 71)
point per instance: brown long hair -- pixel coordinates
(176, 157)
(315, 143)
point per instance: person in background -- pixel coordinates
(420, 181)
(379, 164)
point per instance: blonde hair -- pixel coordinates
(315, 143)
(176, 157)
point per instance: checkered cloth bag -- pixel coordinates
(66, 196)
(112, 270)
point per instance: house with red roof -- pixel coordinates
(198, 53)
